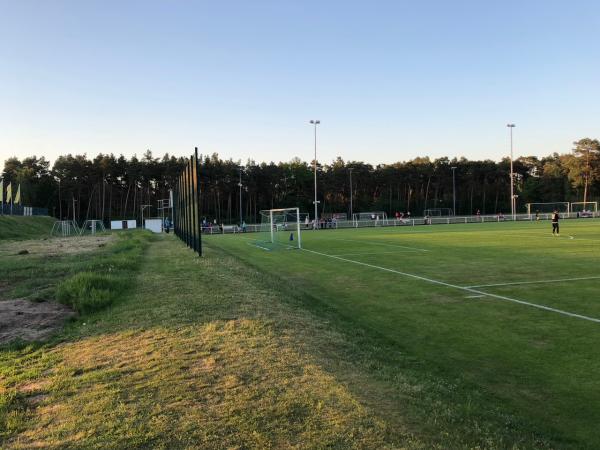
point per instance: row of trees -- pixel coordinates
(109, 187)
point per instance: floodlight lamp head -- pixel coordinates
(510, 125)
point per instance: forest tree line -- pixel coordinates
(108, 187)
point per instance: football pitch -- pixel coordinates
(508, 308)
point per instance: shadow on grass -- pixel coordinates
(209, 352)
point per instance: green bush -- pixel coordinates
(103, 279)
(87, 292)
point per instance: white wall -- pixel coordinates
(154, 225)
(118, 224)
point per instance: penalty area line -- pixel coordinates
(516, 283)
(376, 253)
(461, 288)
(415, 249)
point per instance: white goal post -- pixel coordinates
(438, 212)
(65, 228)
(547, 208)
(283, 226)
(584, 209)
(376, 217)
(92, 227)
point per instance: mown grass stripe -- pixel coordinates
(462, 288)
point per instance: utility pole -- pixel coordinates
(315, 123)
(512, 176)
(59, 202)
(453, 191)
(240, 185)
(350, 170)
(586, 175)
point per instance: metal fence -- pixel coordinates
(186, 205)
(412, 222)
(20, 210)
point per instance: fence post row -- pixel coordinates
(187, 205)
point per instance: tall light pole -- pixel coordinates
(512, 177)
(59, 202)
(350, 170)
(315, 123)
(453, 190)
(240, 185)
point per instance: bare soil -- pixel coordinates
(31, 321)
(55, 246)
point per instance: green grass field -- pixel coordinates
(506, 313)
(369, 338)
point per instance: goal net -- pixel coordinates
(547, 208)
(337, 216)
(585, 209)
(438, 212)
(92, 227)
(281, 228)
(373, 217)
(65, 228)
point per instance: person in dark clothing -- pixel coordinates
(555, 228)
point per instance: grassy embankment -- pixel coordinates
(19, 227)
(212, 353)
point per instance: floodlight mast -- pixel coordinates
(350, 170)
(315, 123)
(512, 177)
(453, 191)
(240, 185)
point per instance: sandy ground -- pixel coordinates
(30, 321)
(55, 246)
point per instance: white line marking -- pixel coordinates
(259, 246)
(376, 253)
(533, 282)
(540, 236)
(382, 243)
(475, 296)
(453, 286)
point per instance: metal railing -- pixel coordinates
(412, 222)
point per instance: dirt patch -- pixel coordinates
(55, 246)
(30, 321)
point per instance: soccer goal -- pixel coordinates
(281, 227)
(92, 227)
(547, 208)
(438, 212)
(64, 228)
(584, 209)
(369, 218)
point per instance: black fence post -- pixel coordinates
(186, 204)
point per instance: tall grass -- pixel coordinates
(105, 278)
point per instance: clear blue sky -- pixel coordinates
(390, 80)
